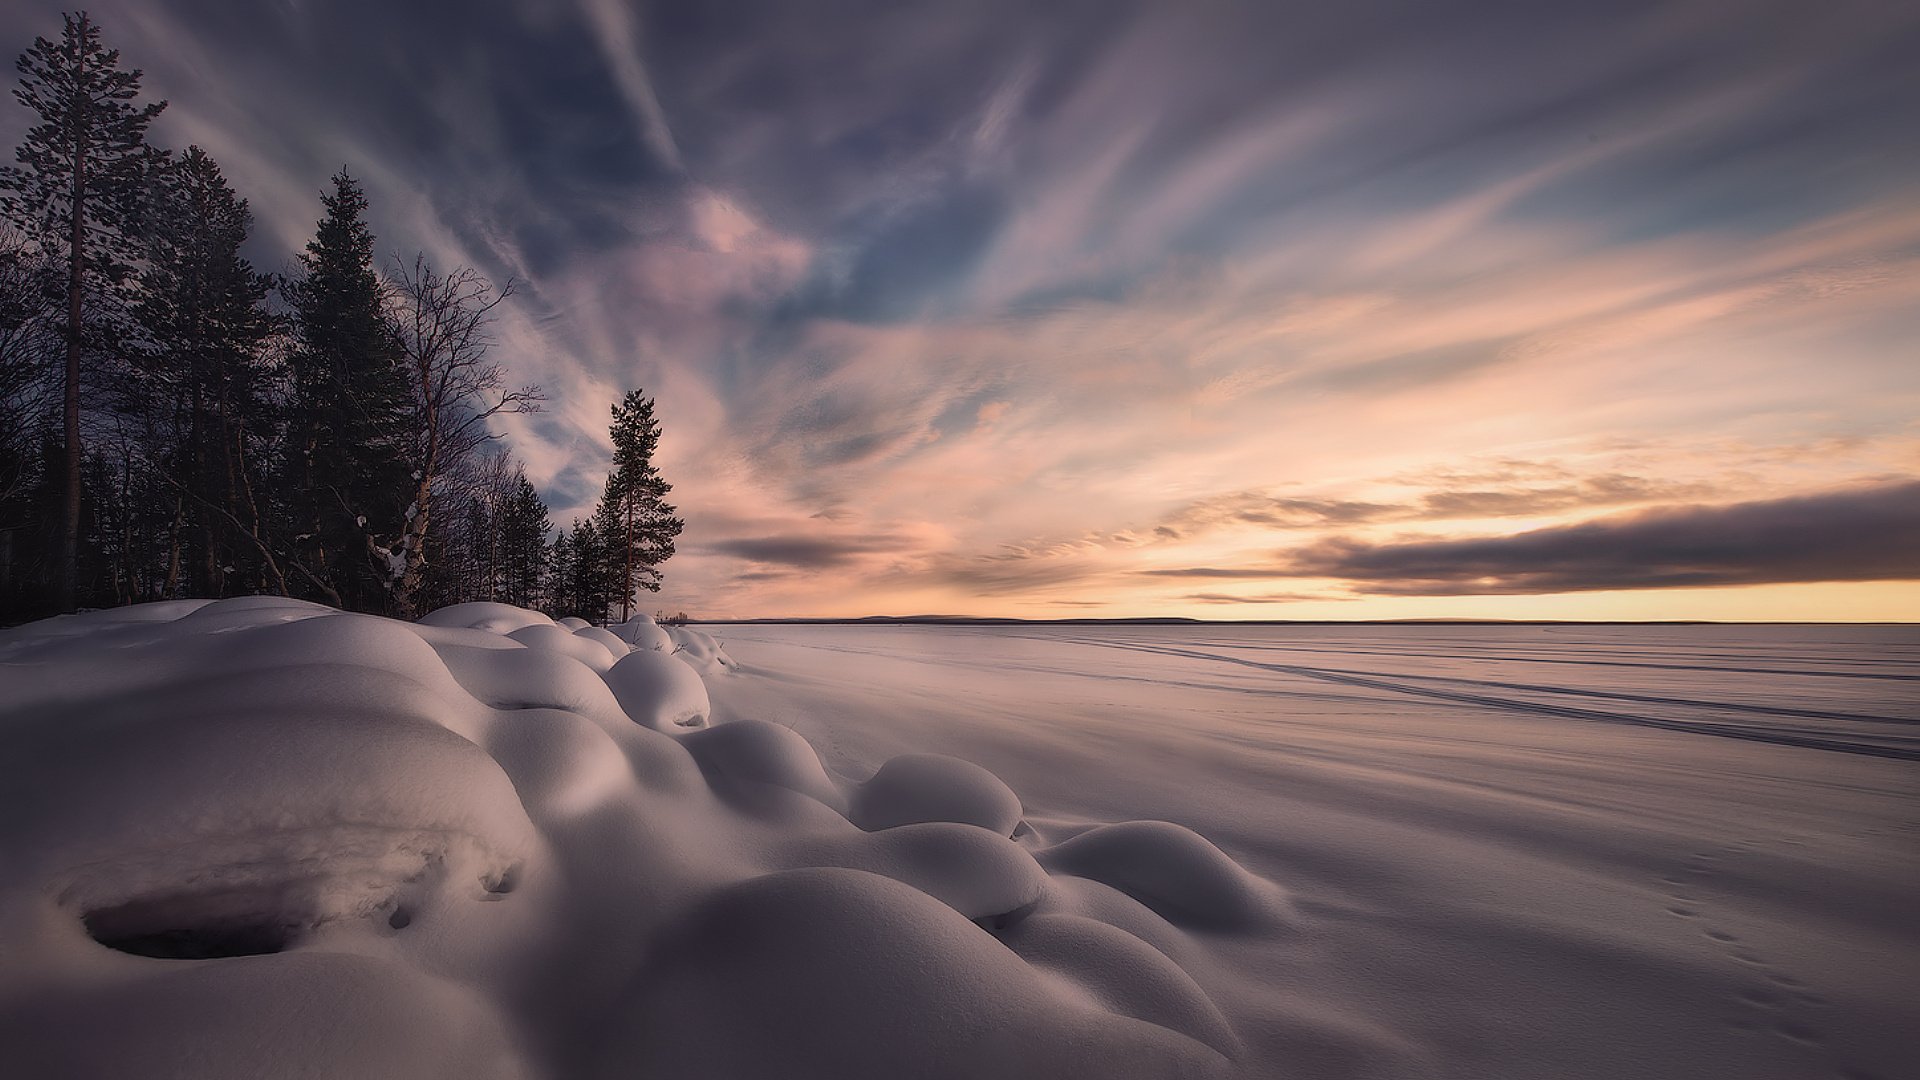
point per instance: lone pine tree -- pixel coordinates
(78, 188)
(636, 524)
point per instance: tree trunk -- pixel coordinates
(413, 548)
(171, 588)
(626, 580)
(67, 557)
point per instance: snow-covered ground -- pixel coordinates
(1560, 851)
(261, 838)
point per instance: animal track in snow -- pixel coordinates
(1779, 1005)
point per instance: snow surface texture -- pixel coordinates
(1568, 852)
(259, 837)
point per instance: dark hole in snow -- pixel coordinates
(400, 918)
(130, 929)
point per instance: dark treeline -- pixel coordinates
(175, 423)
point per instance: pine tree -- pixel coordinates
(30, 317)
(634, 519)
(557, 578)
(523, 529)
(585, 586)
(346, 476)
(202, 309)
(78, 187)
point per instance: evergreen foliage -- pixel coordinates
(636, 524)
(336, 448)
(78, 188)
(205, 327)
(344, 473)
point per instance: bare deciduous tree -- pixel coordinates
(443, 325)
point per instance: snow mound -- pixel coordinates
(834, 973)
(1172, 870)
(614, 646)
(914, 788)
(659, 691)
(642, 632)
(699, 648)
(749, 752)
(492, 845)
(565, 642)
(485, 615)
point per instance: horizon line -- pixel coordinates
(1178, 620)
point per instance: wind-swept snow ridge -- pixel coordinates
(262, 837)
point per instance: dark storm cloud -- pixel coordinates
(1221, 573)
(1870, 534)
(1611, 489)
(806, 552)
(1506, 495)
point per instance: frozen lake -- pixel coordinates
(1511, 851)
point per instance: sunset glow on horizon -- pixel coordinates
(1225, 311)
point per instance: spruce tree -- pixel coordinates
(636, 524)
(587, 588)
(30, 318)
(78, 187)
(347, 481)
(202, 308)
(523, 529)
(557, 579)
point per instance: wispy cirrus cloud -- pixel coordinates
(1027, 299)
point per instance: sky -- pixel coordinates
(1235, 310)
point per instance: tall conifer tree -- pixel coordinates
(636, 524)
(347, 480)
(202, 308)
(78, 186)
(523, 541)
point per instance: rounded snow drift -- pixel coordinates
(566, 643)
(242, 827)
(756, 752)
(700, 650)
(981, 875)
(1123, 972)
(643, 633)
(659, 692)
(483, 615)
(614, 646)
(831, 973)
(913, 788)
(1172, 870)
(293, 1014)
